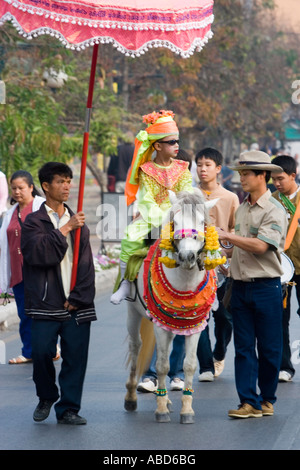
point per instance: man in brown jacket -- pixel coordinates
(57, 308)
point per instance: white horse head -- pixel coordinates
(189, 213)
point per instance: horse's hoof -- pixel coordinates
(130, 405)
(187, 419)
(162, 417)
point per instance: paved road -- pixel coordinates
(110, 428)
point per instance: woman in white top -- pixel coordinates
(3, 195)
(25, 199)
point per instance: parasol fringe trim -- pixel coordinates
(197, 44)
(114, 24)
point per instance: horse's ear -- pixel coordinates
(172, 196)
(198, 192)
(212, 203)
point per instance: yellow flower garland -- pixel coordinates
(166, 245)
(212, 249)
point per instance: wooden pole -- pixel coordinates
(84, 161)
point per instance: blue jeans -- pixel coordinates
(286, 363)
(176, 360)
(204, 352)
(25, 321)
(257, 326)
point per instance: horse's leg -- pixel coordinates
(189, 367)
(163, 343)
(133, 326)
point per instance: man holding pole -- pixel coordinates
(56, 307)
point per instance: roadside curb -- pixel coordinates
(104, 281)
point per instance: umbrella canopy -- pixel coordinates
(131, 25)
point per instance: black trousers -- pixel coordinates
(74, 342)
(286, 363)
(223, 333)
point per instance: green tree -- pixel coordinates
(41, 122)
(234, 91)
(31, 126)
(30, 133)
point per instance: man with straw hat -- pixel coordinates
(256, 300)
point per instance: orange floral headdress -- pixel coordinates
(154, 116)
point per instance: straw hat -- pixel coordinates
(255, 160)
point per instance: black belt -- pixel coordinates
(259, 279)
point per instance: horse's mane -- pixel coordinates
(195, 200)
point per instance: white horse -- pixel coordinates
(189, 215)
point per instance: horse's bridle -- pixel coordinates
(190, 233)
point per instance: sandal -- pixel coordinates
(57, 354)
(23, 360)
(19, 360)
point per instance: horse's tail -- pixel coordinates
(147, 348)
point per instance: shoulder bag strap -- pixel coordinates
(292, 228)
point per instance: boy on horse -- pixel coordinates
(151, 178)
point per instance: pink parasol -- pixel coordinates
(132, 26)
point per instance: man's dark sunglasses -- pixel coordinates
(170, 142)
